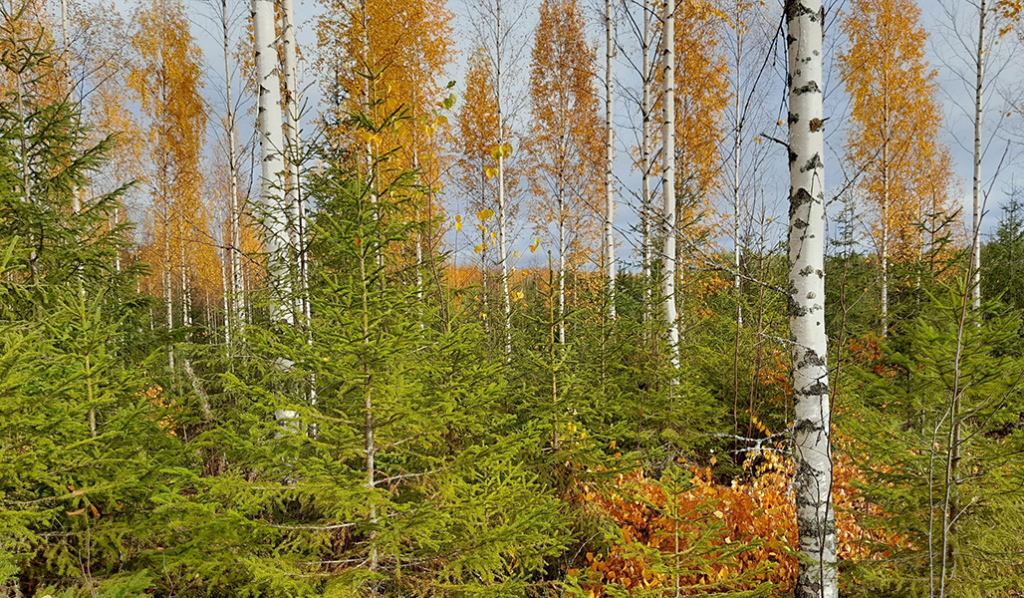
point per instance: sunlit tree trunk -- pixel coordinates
(235, 315)
(668, 181)
(275, 209)
(561, 261)
(646, 206)
(609, 188)
(76, 203)
(736, 160)
(293, 152)
(979, 95)
(885, 213)
(502, 211)
(816, 530)
(168, 281)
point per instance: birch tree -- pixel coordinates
(979, 113)
(897, 122)
(668, 179)
(699, 97)
(812, 452)
(643, 27)
(293, 154)
(275, 210)
(609, 148)
(498, 31)
(646, 143)
(478, 164)
(565, 138)
(167, 81)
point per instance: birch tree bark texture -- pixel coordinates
(271, 136)
(609, 148)
(812, 454)
(668, 181)
(275, 211)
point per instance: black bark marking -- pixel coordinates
(813, 164)
(811, 87)
(796, 9)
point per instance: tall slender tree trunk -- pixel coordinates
(226, 285)
(293, 153)
(886, 200)
(668, 182)
(76, 203)
(275, 209)
(235, 315)
(885, 231)
(736, 159)
(502, 209)
(609, 183)
(979, 96)
(369, 423)
(561, 261)
(646, 208)
(168, 290)
(816, 529)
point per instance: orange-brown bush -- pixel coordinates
(749, 526)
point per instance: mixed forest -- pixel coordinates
(511, 298)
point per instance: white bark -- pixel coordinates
(235, 314)
(76, 202)
(293, 154)
(225, 297)
(668, 181)
(885, 215)
(561, 261)
(275, 209)
(736, 161)
(645, 156)
(499, 49)
(168, 281)
(609, 189)
(976, 191)
(818, 577)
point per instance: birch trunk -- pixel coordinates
(979, 96)
(816, 530)
(276, 210)
(237, 307)
(271, 157)
(293, 153)
(668, 182)
(609, 189)
(502, 215)
(76, 202)
(645, 157)
(885, 219)
(168, 291)
(736, 159)
(224, 297)
(561, 262)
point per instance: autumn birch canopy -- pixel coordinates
(565, 140)
(167, 80)
(395, 50)
(897, 121)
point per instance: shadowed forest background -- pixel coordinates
(545, 299)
